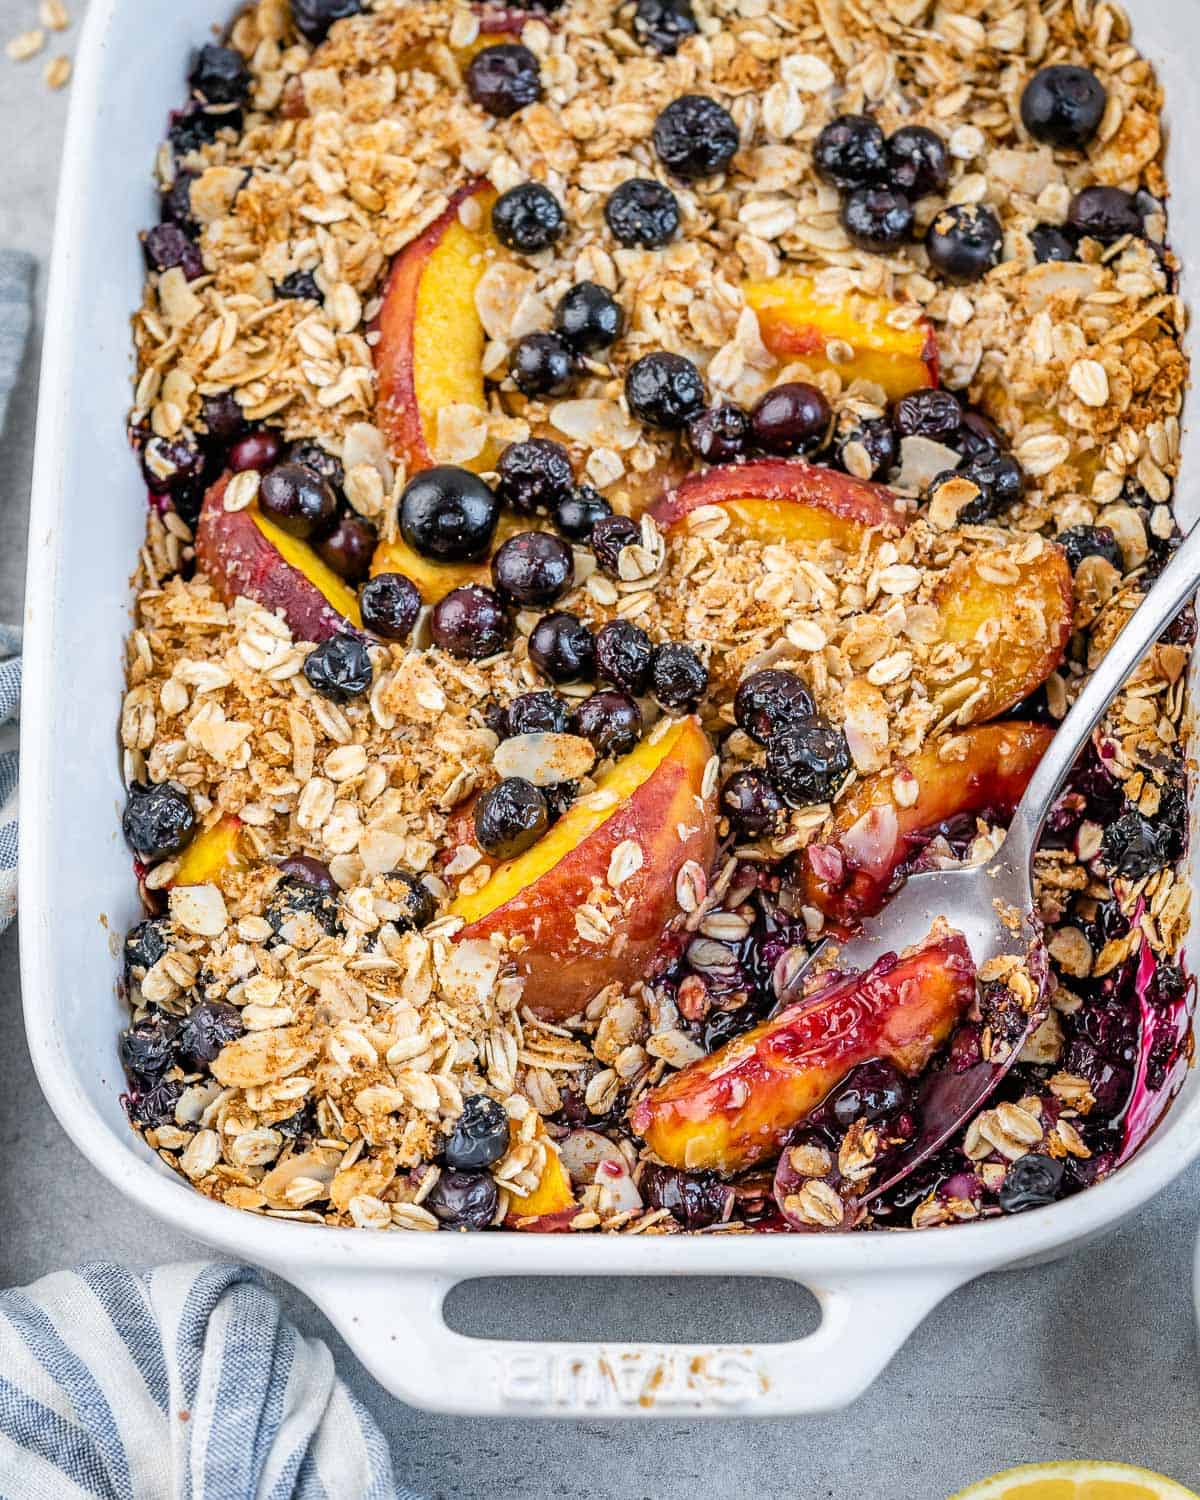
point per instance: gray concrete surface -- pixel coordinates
(1092, 1357)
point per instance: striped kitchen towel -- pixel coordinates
(182, 1383)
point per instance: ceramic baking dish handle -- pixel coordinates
(394, 1324)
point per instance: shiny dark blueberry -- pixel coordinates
(479, 1137)
(296, 896)
(719, 435)
(159, 819)
(1049, 242)
(147, 1049)
(696, 1199)
(877, 218)
(169, 464)
(145, 944)
(611, 720)
(1104, 214)
(321, 462)
(448, 514)
(542, 365)
(678, 678)
(175, 205)
(917, 161)
(257, 450)
(1131, 847)
(339, 668)
(610, 536)
(310, 870)
(662, 24)
(790, 418)
(1001, 482)
(1032, 1181)
(978, 437)
(752, 805)
(390, 604)
(1079, 542)
(869, 450)
(196, 125)
(623, 655)
(1168, 985)
(964, 241)
(533, 567)
(769, 701)
(562, 647)
(559, 798)
(223, 418)
(313, 18)
(930, 413)
(808, 762)
(642, 213)
(873, 1091)
(510, 817)
(664, 390)
(576, 514)
(504, 78)
(410, 900)
(538, 713)
(220, 74)
(348, 548)
(588, 318)
(166, 246)
(695, 137)
(534, 475)
(205, 1029)
(528, 218)
(470, 622)
(299, 286)
(297, 500)
(850, 152)
(155, 1105)
(1062, 105)
(464, 1200)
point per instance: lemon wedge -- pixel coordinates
(1076, 1481)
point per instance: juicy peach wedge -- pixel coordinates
(550, 1205)
(213, 854)
(429, 353)
(588, 904)
(1007, 627)
(984, 769)
(738, 1105)
(796, 325)
(244, 553)
(781, 500)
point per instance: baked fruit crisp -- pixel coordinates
(628, 483)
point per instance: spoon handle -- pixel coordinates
(1174, 588)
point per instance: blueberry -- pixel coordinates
(1168, 985)
(145, 944)
(339, 668)
(588, 318)
(611, 720)
(147, 1049)
(869, 450)
(664, 390)
(504, 78)
(576, 514)
(623, 655)
(297, 896)
(1079, 542)
(873, 1091)
(1049, 242)
(510, 817)
(155, 1105)
(1033, 1181)
(220, 74)
(1062, 105)
(808, 762)
(537, 713)
(470, 623)
(1105, 214)
(610, 536)
(1171, 822)
(533, 567)
(850, 152)
(448, 514)
(390, 604)
(917, 161)
(930, 413)
(790, 418)
(696, 1199)
(410, 902)
(1131, 847)
(877, 218)
(1001, 482)
(662, 24)
(298, 500)
(534, 475)
(769, 701)
(170, 464)
(311, 871)
(752, 805)
(195, 125)
(719, 434)
(205, 1029)
(964, 241)
(299, 1126)
(313, 18)
(562, 648)
(978, 437)
(349, 548)
(175, 205)
(223, 418)
(299, 286)
(528, 218)
(464, 1200)
(321, 462)
(480, 1135)
(167, 246)
(642, 213)
(542, 365)
(257, 450)
(695, 136)
(159, 820)
(678, 678)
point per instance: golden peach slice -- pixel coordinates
(588, 904)
(213, 854)
(860, 337)
(738, 1105)
(552, 1196)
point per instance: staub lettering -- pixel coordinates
(629, 1379)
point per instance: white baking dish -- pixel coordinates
(384, 1292)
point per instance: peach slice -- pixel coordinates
(212, 854)
(588, 904)
(984, 769)
(796, 325)
(429, 353)
(737, 1106)
(781, 500)
(1006, 627)
(243, 553)
(433, 579)
(551, 1198)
